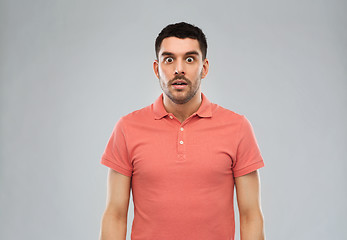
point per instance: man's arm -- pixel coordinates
(248, 199)
(114, 220)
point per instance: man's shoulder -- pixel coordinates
(226, 113)
(142, 114)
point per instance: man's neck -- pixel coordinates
(182, 111)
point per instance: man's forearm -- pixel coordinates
(252, 227)
(113, 228)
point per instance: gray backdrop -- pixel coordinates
(71, 68)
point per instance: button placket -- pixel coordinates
(180, 141)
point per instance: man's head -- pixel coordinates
(182, 30)
(181, 61)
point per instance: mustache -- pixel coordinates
(180, 77)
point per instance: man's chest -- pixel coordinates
(183, 153)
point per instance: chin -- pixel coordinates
(181, 99)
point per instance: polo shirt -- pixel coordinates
(183, 173)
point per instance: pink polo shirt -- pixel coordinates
(183, 173)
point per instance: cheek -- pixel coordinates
(164, 72)
(197, 70)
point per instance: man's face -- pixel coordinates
(180, 68)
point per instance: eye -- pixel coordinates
(189, 59)
(169, 59)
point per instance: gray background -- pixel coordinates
(71, 68)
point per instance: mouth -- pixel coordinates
(179, 84)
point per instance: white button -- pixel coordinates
(171, 117)
(181, 142)
(181, 128)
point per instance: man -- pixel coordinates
(182, 156)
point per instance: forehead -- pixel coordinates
(179, 46)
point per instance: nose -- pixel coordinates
(179, 69)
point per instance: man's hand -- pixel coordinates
(248, 199)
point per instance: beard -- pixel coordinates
(181, 96)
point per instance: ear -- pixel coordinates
(156, 68)
(205, 67)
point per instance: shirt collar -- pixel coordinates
(205, 109)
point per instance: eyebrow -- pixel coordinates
(187, 53)
(192, 53)
(167, 54)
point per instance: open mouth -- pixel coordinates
(179, 83)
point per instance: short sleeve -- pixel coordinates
(248, 156)
(116, 154)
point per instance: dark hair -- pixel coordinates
(182, 30)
